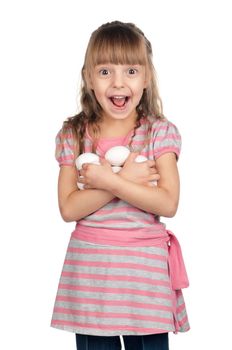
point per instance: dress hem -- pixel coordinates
(115, 333)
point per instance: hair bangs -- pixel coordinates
(118, 47)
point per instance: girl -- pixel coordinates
(123, 270)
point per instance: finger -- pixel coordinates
(151, 163)
(131, 157)
(154, 177)
(103, 161)
(153, 171)
(88, 187)
(85, 166)
(83, 172)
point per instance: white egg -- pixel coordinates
(87, 158)
(117, 155)
(140, 159)
(116, 169)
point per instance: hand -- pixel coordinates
(143, 173)
(94, 176)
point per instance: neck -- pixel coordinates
(113, 127)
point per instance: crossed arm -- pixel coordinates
(130, 185)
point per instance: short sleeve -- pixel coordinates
(166, 138)
(65, 148)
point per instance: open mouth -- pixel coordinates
(119, 101)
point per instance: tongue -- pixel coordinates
(119, 102)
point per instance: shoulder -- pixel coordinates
(65, 135)
(65, 146)
(165, 137)
(163, 126)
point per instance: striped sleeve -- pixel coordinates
(64, 148)
(166, 138)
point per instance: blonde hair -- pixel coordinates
(117, 43)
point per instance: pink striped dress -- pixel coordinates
(118, 276)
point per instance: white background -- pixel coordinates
(42, 49)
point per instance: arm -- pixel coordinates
(73, 203)
(161, 200)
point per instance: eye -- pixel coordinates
(104, 72)
(132, 71)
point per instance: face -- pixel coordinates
(118, 89)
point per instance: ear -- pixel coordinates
(87, 78)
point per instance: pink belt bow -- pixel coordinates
(177, 271)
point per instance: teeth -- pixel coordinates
(118, 97)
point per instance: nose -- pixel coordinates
(118, 80)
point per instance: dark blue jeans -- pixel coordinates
(131, 342)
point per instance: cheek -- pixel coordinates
(139, 90)
(139, 86)
(98, 88)
(98, 93)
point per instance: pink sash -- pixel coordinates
(141, 238)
